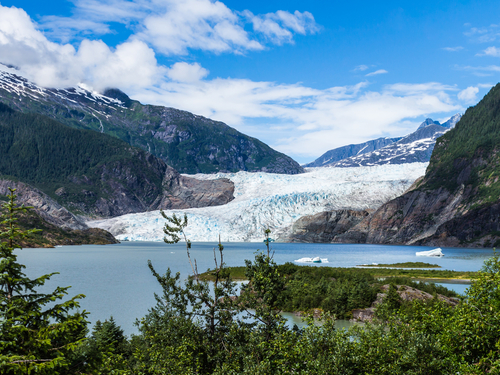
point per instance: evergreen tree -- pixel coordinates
(37, 335)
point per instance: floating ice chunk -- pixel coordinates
(430, 253)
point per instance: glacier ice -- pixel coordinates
(274, 201)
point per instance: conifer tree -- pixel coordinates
(37, 335)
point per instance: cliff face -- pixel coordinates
(457, 202)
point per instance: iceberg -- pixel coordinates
(430, 253)
(312, 260)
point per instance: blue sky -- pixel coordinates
(304, 77)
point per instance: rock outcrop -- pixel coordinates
(46, 207)
(406, 293)
(324, 226)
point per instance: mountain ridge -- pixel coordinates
(414, 147)
(187, 142)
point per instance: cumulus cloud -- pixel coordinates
(280, 26)
(468, 95)
(174, 27)
(315, 120)
(129, 65)
(377, 72)
(490, 51)
(184, 72)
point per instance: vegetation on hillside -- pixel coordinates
(53, 157)
(471, 148)
(187, 142)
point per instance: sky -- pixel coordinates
(303, 77)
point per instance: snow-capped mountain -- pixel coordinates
(415, 147)
(348, 151)
(187, 142)
(275, 201)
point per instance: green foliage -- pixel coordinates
(46, 154)
(262, 297)
(38, 335)
(410, 338)
(424, 286)
(477, 135)
(474, 333)
(197, 145)
(403, 265)
(192, 327)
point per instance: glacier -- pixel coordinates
(274, 201)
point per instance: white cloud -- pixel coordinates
(481, 71)
(129, 65)
(468, 95)
(279, 27)
(316, 120)
(184, 72)
(453, 49)
(490, 51)
(377, 72)
(174, 27)
(484, 34)
(360, 68)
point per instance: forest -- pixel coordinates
(209, 327)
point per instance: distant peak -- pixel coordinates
(427, 122)
(118, 94)
(452, 121)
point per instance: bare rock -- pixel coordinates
(46, 207)
(324, 226)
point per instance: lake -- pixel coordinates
(116, 279)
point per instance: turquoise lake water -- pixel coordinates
(116, 279)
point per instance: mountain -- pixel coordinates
(187, 142)
(67, 172)
(345, 152)
(457, 202)
(276, 201)
(415, 147)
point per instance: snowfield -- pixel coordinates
(275, 201)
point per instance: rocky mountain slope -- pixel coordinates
(457, 203)
(86, 173)
(324, 226)
(57, 225)
(187, 142)
(415, 147)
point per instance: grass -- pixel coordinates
(403, 265)
(238, 273)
